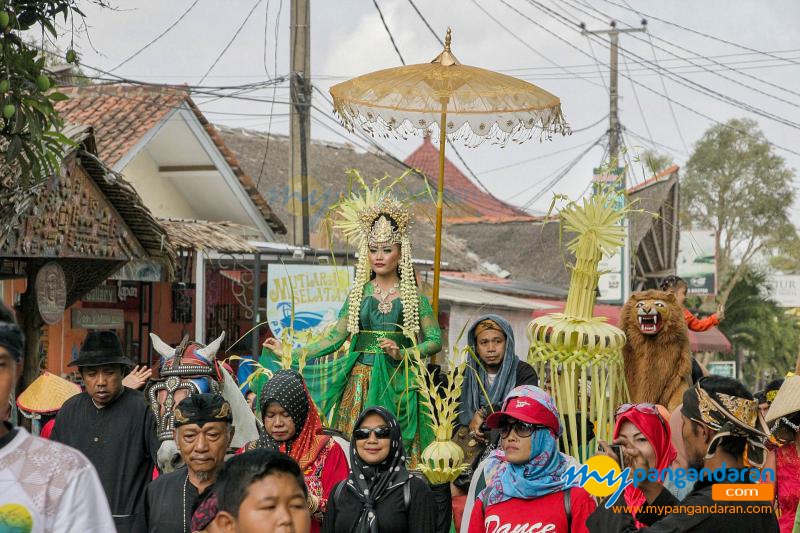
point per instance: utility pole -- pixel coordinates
(300, 125)
(615, 133)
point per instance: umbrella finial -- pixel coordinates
(446, 58)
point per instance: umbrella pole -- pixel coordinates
(437, 256)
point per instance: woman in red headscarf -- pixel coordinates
(642, 426)
(292, 425)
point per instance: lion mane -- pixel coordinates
(658, 367)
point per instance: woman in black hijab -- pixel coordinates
(379, 496)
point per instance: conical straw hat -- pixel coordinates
(47, 394)
(787, 401)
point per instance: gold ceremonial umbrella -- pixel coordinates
(468, 103)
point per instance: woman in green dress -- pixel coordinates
(383, 316)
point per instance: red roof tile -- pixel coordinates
(457, 186)
(664, 174)
(121, 116)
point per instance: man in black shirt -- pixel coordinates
(721, 422)
(112, 425)
(203, 432)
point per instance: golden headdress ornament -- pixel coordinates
(367, 215)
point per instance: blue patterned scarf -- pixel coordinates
(541, 475)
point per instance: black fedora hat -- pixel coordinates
(101, 348)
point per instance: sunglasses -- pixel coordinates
(644, 408)
(364, 433)
(522, 429)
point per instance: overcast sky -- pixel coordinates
(348, 39)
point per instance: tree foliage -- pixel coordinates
(30, 137)
(767, 333)
(736, 186)
(654, 162)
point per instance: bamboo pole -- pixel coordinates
(437, 255)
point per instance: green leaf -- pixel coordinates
(14, 147)
(56, 96)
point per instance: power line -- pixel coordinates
(663, 88)
(656, 144)
(527, 45)
(425, 21)
(677, 78)
(558, 177)
(235, 35)
(537, 158)
(274, 88)
(638, 102)
(388, 32)
(684, 106)
(157, 37)
(709, 36)
(716, 72)
(266, 28)
(529, 74)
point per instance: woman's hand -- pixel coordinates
(274, 345)
(635, 459)
(391, 349)
(605, 449)
(137, 378)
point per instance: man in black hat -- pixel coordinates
(63, 498)
(112, 425)
(203, 433)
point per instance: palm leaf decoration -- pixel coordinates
(442, 460)
(582, 354)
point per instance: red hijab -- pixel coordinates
(656, 431)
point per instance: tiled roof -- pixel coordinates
(122, 115)
(457, 186)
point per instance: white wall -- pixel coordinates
(158, 194)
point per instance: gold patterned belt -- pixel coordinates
(369, 342)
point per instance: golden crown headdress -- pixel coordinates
(367, 215)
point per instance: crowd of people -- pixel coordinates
(105, 468)
(97, 470)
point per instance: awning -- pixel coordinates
(712, 340)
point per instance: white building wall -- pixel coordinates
(158, 194)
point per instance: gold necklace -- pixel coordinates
(384, 306)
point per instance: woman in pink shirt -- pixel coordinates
(524, 490)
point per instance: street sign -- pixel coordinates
(98, 318)
(613, 276)
(783, 289)
(725, 369)
(697, 263)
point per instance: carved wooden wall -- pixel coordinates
(72, 219)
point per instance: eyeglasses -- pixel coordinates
(522, 429)
(644, 408)
(364, 433)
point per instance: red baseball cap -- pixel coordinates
(527, 410)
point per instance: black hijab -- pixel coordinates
(372, 483)
(286, 388)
